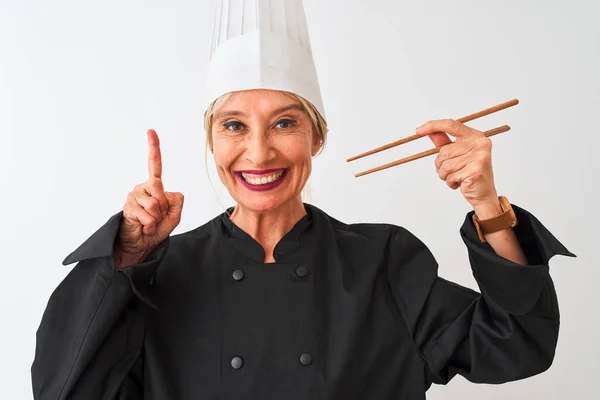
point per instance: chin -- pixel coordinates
(267, 203)
(263, 201)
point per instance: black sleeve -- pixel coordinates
(506, 333)
(88, 344)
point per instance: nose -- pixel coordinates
(259, 150)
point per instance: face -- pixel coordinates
(263, 144)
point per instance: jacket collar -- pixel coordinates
(290, 242)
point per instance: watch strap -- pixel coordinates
(507, 219)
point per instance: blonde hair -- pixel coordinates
(320, 128)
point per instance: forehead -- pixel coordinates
(259, 102)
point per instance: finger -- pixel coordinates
(154, 156)
(175, 207)
(135, 212)
(149, 204)
(440, 139)
(450, 126)
(467, 178)
(451, 151)
(153, 187)
(453, 165)
(454, 179)
(175, 200)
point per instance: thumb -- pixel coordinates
(175, 200)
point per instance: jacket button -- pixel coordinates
(238, 275)
(237, 362)
(305, 359)
(301, 272)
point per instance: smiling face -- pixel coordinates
(263, 142)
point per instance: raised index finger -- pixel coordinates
(154, 158)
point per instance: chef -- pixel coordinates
(274, 298)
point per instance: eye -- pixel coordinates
(285, 123)
(233, 125)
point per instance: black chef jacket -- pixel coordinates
(347, 311)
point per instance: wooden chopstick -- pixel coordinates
(471, 117)
(491, 132)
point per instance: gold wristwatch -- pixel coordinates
(507, 219)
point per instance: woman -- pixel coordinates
(275, 299)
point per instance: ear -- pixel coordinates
(316, 146)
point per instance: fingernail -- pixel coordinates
(419, 129)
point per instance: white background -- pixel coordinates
(80, 82)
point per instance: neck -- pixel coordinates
(269, 227)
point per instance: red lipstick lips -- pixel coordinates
(261, 172)
(262, 187)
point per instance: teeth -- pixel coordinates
(263, 179)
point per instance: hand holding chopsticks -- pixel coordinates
(408, 139)
(465, 163)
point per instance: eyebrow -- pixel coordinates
(235, 113)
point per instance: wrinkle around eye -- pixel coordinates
(291, 123)
(229, 124)
(226, 129)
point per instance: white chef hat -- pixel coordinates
(261, 44)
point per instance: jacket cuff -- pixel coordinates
(141, 276)
(513, 287)
(101, 244)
